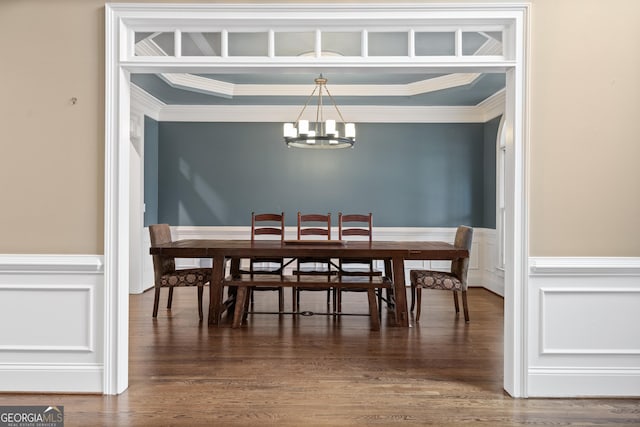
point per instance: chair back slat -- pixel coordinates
(268, 230)
(268, 217)
(355, 232)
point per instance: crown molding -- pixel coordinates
(447, 81)
(493, 106)
(286, 113)
(144, 103)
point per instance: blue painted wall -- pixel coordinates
(420, 175)
(150, 171)
(489, 162)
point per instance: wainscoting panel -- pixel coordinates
(570, 319)
(69, 312)
(584, 327)
(51, 323)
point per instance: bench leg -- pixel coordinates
(238, 313)
(280, 300)
(245, 314)
(373, 310)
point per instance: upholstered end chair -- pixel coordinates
(455, 280)
(166, 275)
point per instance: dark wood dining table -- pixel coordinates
(393, 253)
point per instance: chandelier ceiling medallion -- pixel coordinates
(322, 133)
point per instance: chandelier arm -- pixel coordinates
(335, 105)
(305, 104)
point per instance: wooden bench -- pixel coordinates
(336, 282)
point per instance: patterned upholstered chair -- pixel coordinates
(455, 281)
(166, 275)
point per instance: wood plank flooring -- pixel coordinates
(319, 371)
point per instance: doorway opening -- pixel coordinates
(125, 22)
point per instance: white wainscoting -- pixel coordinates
(51, 323)
(584, 327)
(481, 268)
(582, 315)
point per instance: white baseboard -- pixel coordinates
(44, 378)
(584, 382)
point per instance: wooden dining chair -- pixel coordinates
(167, 276)
(313, 226)
(271, 225)
(357, 227)
(455, 280)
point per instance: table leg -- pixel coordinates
(216, 289)
(402, 315)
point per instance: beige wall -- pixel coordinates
(585, 122)
(585, 128)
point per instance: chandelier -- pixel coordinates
(322, 133)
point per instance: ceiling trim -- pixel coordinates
(194, 83)
(199, 84)
(157, 110)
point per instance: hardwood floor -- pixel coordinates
(319, 371)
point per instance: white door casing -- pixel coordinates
(122, 20)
